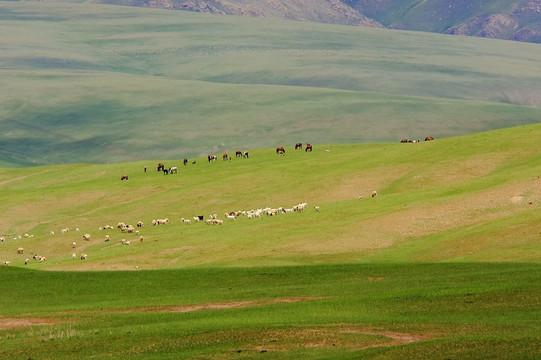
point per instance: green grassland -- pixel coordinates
(443, 263)
(85, 83)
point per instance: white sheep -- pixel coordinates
(316, 208)
(74, 255)
(65, 230)
(86, 237)
(20, 250)
(374, 193)
(107, 238)
(84, 256)
(74, 244)
(141, 238)
(26, 261)
(140, 224)
(6, 262)
(2, 239)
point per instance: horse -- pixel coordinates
(185, 161)
(173, 170)
(211, 158)
(428, 138)
(238, 153)
(280, 150)
(246, 155)
(298, 146)
(161, 166)
(308, 147)
(224, 156)
(124, 177)
(165, 171)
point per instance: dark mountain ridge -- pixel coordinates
(500, 19)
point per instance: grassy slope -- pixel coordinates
(443, 262)
(454, 199)
(107, 84)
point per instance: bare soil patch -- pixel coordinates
(15, 323)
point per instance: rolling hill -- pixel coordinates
(473, 198)
(104, 84)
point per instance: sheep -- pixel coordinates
(26, 261)
(2, 239)
(230, 216)
(35, 257)
(41, 258)
(6, 263)
(127, 242)
(187, 221)
(86, 237)
(106, 238)
(154, 223)
(374, 193)
(20, 250)
(120, 225)
(26, 236)
(74, 255)
(65, 230)
(196, 218)
(141, 238)
(140, 224)
(77, 230)
(84, 256)
(74, 244)
(316, 208)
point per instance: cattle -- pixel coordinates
(298, 146)
(238, 153)
(428, 138)
(124, 177)
(185, 161)
(161, 166)
(308, 147)
(404, 140)
(280, 150)
(173, 170)
(212, 158)
(224, 156)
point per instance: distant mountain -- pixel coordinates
(499, 19)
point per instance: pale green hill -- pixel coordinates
(109, 84)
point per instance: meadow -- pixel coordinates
(87, 83)
(442, 263)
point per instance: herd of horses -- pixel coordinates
(428, 138)
(244, 154)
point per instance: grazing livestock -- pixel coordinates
(140, 224)
(26, 261)
(224, 156)
(246, 155)
(65, 230)
(20, 250)
(185, 161)
(74, 255)
(374, 193)
(165, 171)
(173, 170)
(308, 147)
(124, 177)
(298, 146)
(316, 208)
(107, 238)
(74, 244)
(6, 263)
(84, 256)
(429, 138)
(238, 153)
(280, 150)
(404, 140)
(2, 239)
(141, 238)
(86, 237)
(161, 166)
(211, 158)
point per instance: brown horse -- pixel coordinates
(298, 146)
(280, 150)
(308, 147)
(124, 177)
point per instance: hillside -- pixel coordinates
(502, 19)
(463, 199)
(105, 84)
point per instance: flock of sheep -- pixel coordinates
(212, 219)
